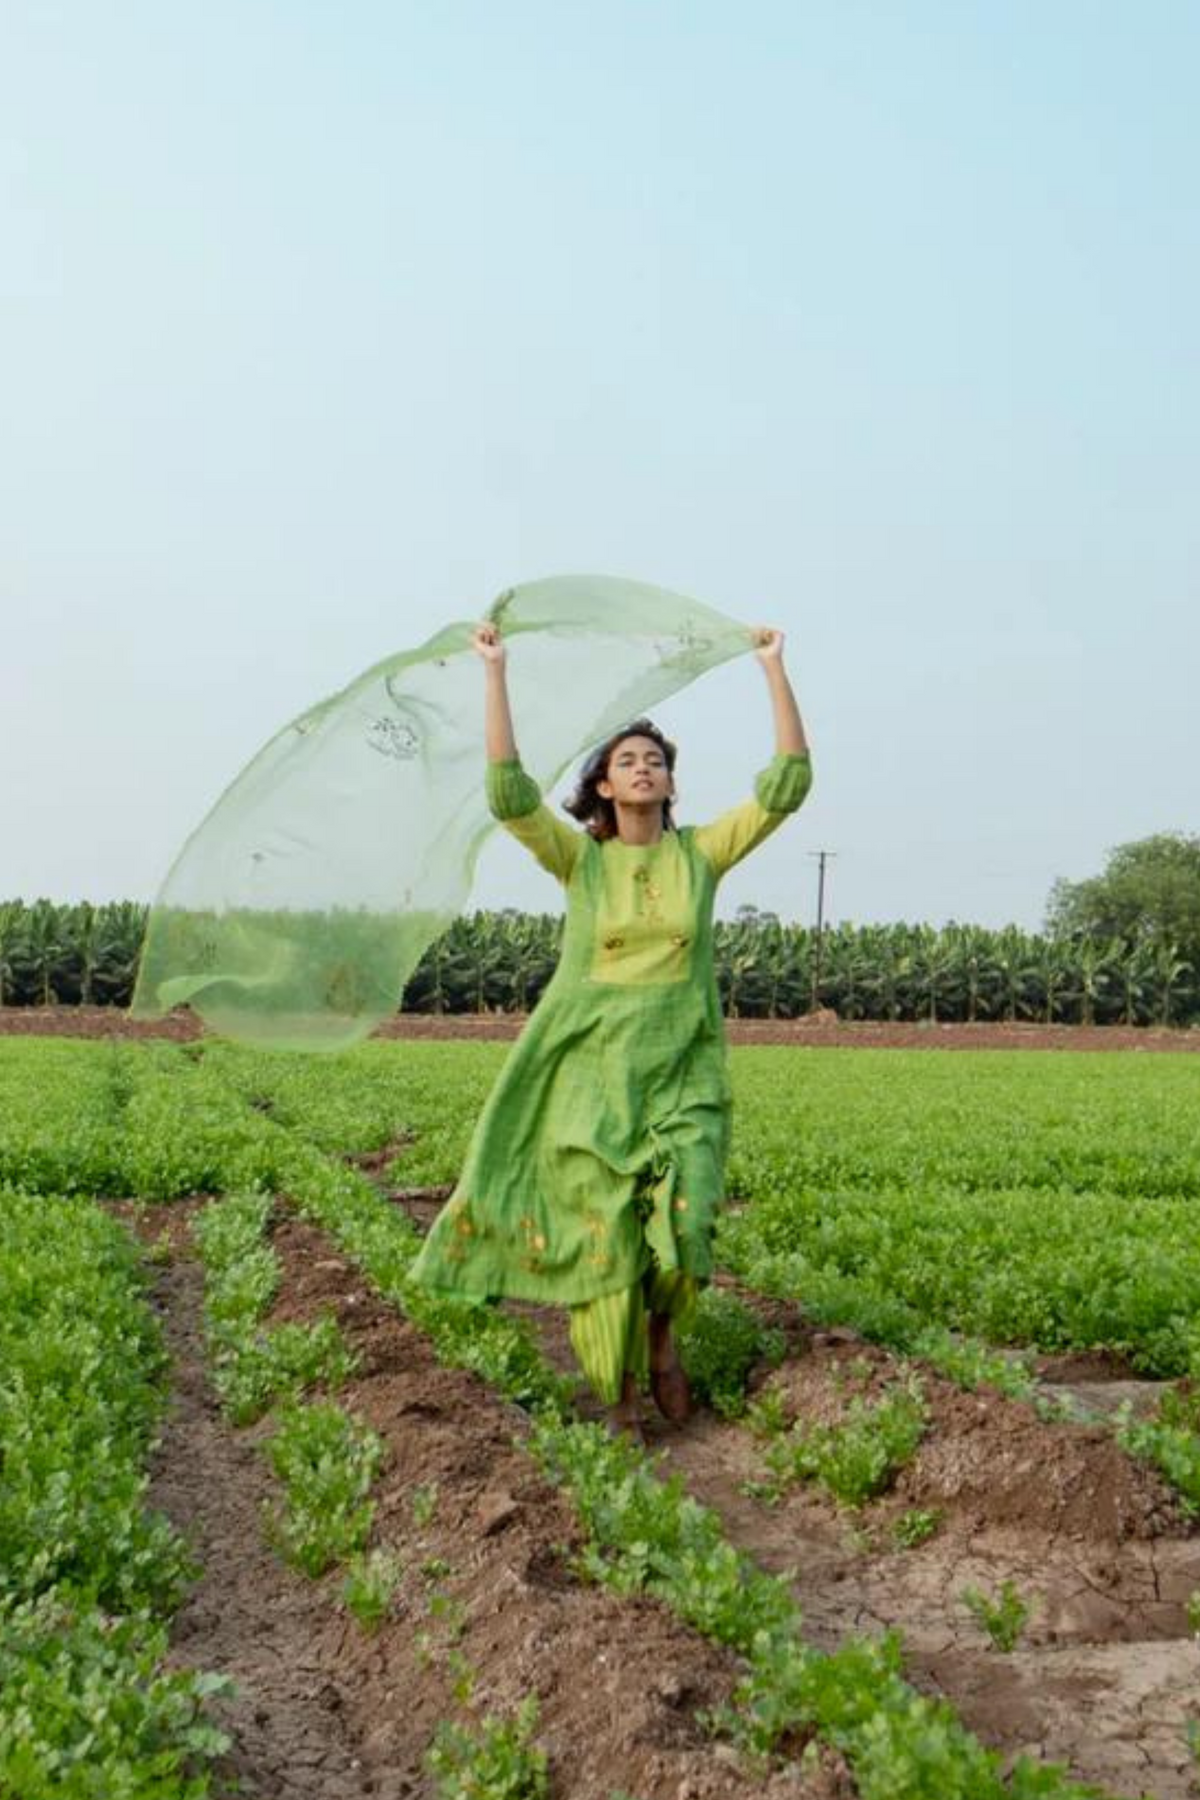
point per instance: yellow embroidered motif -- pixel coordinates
(651, 894)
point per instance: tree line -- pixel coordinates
(501, 961)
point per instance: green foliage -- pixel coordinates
(326, 1461)
(496, 1760)
(79, 1400)
(1123, 947)
(914, 1527)
(858, 1458)
(281, 1363)
(88, 1711)
(252, 1367)
(87, 1575)
(1003, 1615)
(766, 1414)
(719, 1346)
(935, 1201)
(1149, 892)
(1174, 1449)
(370, 1585)
(82, 953)
(925, 1143)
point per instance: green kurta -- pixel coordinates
(601, 1150)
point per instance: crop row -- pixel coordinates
(89, 1576)
(1042, 1201)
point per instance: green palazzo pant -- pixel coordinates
(610, 1336)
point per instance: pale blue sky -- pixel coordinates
(875, 321)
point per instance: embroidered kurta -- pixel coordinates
(601, 1149)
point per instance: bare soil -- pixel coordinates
(325, 1708)
(822, 1030)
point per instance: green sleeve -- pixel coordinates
(511, 793)
(516, 800)
(779, 790)
(783, 783)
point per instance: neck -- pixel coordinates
(639, 824)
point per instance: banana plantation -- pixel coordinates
(501, 961)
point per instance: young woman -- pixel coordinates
(597, 1165)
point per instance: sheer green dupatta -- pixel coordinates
(296, 913)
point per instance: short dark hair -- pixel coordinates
(591, 807)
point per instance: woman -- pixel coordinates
(597, 1165)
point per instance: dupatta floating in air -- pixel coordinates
(298, 910)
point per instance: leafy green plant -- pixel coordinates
(370, 1585)
(766, 1415)
(88, 1707)
(88, 1576)
(1003, 1616)
(1173, 1448)
(496, 1760)
(914, 1527)
(326, 1461)
(720, 1345)
(280, 1363)
(858, 1458)
(1193, 1612)
(252, 1366)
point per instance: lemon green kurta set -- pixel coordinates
(597, 1164)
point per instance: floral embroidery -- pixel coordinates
(391, 738)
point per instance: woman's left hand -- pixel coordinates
(768, 644)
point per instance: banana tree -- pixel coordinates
(1171, 970)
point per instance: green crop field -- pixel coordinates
(954, 1216)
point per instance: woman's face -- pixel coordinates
(637, 774)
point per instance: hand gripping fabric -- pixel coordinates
(298, 910)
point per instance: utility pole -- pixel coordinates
(822, 856)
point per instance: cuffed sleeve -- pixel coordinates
(779, 790)
(516, 800)
(784, 782)
(511, 793)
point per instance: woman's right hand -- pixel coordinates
(487, 642)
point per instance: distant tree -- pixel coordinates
(1149, 893)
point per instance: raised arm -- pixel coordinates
(499, 737)
(781, 787)
(514, 796)
(789, 727)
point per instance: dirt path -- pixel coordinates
(275, 1634)
(1106, 1675)
(819, 1032)
(323, 1707)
